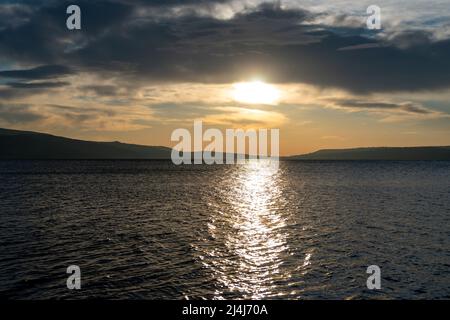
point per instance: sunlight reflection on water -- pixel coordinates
(252, 230)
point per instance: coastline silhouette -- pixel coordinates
(16, 145)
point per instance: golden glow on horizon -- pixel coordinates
(255, 92)
(309, 117)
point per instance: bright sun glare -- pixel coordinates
(255, 92)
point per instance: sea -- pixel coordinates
(153, 230)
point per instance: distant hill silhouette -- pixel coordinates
(383, 153)
(15, 144)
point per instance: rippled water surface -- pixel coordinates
(151, 230)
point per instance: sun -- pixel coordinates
(255, 92)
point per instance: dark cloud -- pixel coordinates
(18, 114)
(406, 107)
(15, 90)
(12, 114)
(41, 72)
(101, 90)
(278, 45)
(13, 15)
(407, 39)
(170, 2)
(37, 85)
(361, 46)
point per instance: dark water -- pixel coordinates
(150, 230)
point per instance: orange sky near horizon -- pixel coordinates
(309, 119)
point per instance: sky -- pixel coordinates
(139, 69)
